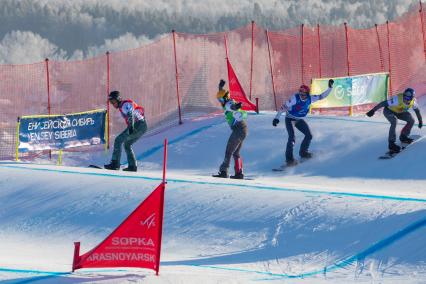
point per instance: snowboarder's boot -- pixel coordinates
(222, 174)
(114, 165)
(291, 163)
(131, 169)
(238, 167)
(393, 148)
(306, 155)
(238, 175)
(405, 139)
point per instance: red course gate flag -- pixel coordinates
(135, 243)
(236, 91)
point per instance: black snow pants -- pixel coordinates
(303, 127)
(235, 142)
(392, 118)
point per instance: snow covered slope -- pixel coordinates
(342, 217)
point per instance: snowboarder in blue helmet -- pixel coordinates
(296, 108)
(236, 118)
(397, 107)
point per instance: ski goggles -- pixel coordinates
(407, 98)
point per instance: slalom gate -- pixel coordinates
(136, 242)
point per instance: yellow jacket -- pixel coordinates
(397, 105)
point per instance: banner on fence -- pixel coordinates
(135, 243)
(236, 91)
(53, 132)
(352, 91)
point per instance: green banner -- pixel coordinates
(351, 91)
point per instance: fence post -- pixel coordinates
(348, 64)
(48, 95)
(319, 50)
(226, 46)
(272, 73)
(319, 59)
(302, 55)
(347, 48)
(177, 76)
(107, 100)
(251, 58)
(48, 85)
(389, 58)
(380, 49)
(423, 27)
(18, 124)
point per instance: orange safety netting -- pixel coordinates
(176, 77)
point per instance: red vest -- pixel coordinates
(129, 107)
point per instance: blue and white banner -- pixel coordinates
(49, 132)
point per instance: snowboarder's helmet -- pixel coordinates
(304, 89)
(114, 95)
(409, 94)
(223, 96)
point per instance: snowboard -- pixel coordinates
(99, 167)
(389, 155)
(245, 178)
(285, 166)
(95, 167)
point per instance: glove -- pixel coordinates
(275, 121)
(420, 124)
(221, 83)
(236, 106)
(370, 113)
(330, 83)
(131, 130)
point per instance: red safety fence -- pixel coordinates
(176, 77)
